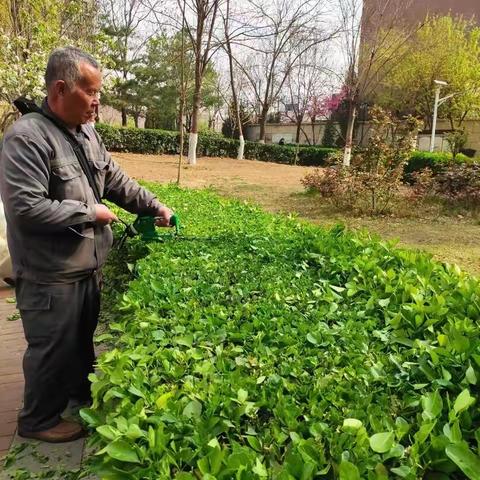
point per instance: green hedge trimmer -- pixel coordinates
(144, 226)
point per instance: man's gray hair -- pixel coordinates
(63, 64)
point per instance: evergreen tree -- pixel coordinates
(330, 135)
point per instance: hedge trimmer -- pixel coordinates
(144, 226)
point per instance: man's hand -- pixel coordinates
(104, 216)
(162, 217)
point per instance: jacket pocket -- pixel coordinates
(66, 183)
(99, 170)
(67, 172)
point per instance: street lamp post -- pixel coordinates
(438, 101)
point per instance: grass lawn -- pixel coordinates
(450, 238)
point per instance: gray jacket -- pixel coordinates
(49, 205)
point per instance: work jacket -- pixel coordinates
(50, 206)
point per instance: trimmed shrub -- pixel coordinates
(437, 162)
(140, 140)
(281, 350)
(210, 144)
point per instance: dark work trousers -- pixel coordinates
(59, 322)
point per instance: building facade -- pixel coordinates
(417, 10)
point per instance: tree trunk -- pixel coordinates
(236, 106)
(182, 98)
(193, 138)
(135, 119)
(182, 136)
(124, 117)
(313, 131)
(299, 129)
(241, 148)
(352, 113)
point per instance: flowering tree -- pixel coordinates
(323, 107)
(28, 33)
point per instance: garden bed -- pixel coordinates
(266, 348)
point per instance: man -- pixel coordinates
(59, 236)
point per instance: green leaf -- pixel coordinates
(463, 401)
(424, 432)
(204, 465)
(348, 471)
(465, 459)
(470, 376)
(402, 471)
(186, 341)
(242, 395)
(90, 416)
(382, 442)
(134, 432)
(162, 400)
(214, 443)
(135, 391)
(122, 451)
(402, 427)
(260, 469)
(193, 409)
(108, 432)
(453, 432)
(432, 405)
(385, 302)
(216, 458)
(254, 443)
(352, 424)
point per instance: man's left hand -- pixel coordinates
(162, 217)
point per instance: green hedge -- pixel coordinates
(256, 347)
(139, 140)
(436, 161)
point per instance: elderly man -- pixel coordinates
(59, 235)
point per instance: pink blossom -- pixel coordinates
(325, 106)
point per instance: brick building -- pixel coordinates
(418, 9)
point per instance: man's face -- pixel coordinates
(81, 101)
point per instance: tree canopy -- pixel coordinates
(447, 49)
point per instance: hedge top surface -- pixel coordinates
(277, 349)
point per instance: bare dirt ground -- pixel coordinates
(278, 188)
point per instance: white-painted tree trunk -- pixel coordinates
(192, 148)
(241, 148)
(347, 156)
(262, 140)
(347, 153)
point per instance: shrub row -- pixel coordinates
(139, 140)
(274, 349)
(437, 162)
